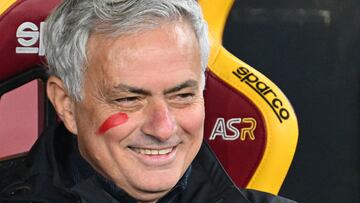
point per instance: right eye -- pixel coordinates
(128, 101)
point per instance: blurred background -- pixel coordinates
(311, 50)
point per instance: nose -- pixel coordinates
(160, 122)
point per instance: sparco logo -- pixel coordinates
(264, 91)
(28, 34)
(220, 129)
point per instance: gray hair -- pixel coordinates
(71, 24)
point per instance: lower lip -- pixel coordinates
(156, 160)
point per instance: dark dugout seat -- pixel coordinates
(250, 124)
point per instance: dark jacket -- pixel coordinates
(54, 172)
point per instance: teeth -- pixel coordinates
(153, 151)
(165, 151)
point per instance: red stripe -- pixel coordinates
(113, 121)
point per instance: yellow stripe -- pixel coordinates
(215, 12)
(5, 4)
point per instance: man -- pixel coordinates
(126, 80)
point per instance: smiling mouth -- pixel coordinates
(153, 152)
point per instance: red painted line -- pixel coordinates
(113, 121)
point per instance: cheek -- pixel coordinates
(111, 122)
(192, 121)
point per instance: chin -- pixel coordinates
(154, 186)
(160, 182)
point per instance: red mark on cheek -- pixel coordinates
(113, 121)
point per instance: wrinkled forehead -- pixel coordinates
(171, 47)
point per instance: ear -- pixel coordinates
(62, 102)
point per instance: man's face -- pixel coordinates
(140, 123)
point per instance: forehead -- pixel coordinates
(170, 48)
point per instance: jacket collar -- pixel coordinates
(56, 153)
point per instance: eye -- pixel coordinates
(183, 98)
(128, 101)
(186, 95)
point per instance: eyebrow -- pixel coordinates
(187, 84)
(131, 89)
